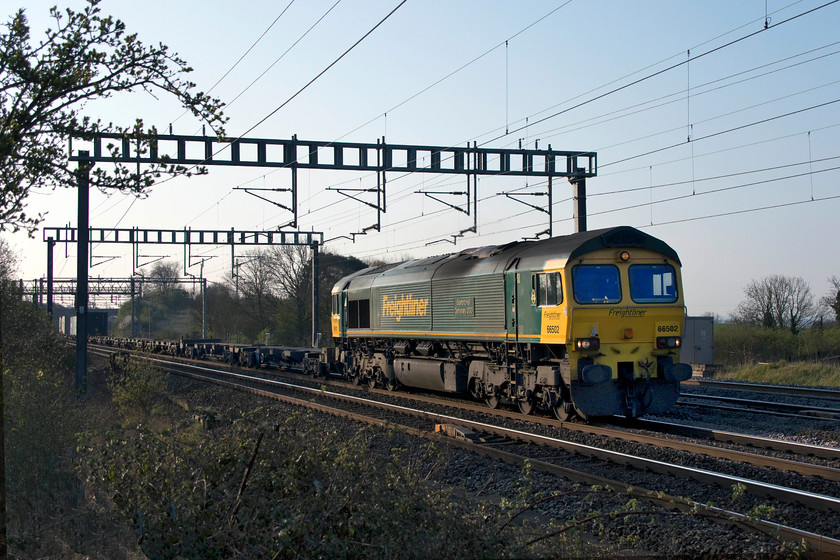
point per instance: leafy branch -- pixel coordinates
(45, 88)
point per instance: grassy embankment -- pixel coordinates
(785, 373)
(759, 354)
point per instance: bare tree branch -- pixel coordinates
(782, 302)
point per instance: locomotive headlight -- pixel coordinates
(587, 344)
(624, 256)
(666, 342)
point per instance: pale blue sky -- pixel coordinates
(582, 50)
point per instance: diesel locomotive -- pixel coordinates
(588, 324)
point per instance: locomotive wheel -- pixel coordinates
(356, 379)
(392, 384)
(372, 382)
(563, 411)
(492, 401)
(526, 406)
(475, 389)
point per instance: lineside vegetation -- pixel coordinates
(124, 473)
(772, 355)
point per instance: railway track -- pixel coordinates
(761, 407)
(551, 453)
(792, 447)
(799, 450)
(797, 391)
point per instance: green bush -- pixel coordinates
(137, 388)
(41, 415)
(299, 490)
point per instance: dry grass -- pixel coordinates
(785, 373)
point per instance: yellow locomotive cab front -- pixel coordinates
(626, 321)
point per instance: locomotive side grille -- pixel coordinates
(474, 304)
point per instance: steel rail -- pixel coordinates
(827, 546)
(795, 390)
(829, 417)
(798, 408)
(758, 488)
(742, 439)
(805, 469)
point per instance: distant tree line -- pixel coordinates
(780, 319)
(266, 297)
(787, 302)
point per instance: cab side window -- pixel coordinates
(359, 314)
(548, 288)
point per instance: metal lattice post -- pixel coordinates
(50, 247)
(580, 203)
(82, 250)
(133, 310)
(315, 340)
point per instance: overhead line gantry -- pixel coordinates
(380, 158)
(294, 154)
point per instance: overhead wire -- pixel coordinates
(721, 132)
(543, 133)
(637, 81)
(715, 152)
(664, 70)
(715, 191)
(525, 29)
(735, 41)
(646, 105)
(303, 88)
(418, 243)
(711, 178)
(713, 118)
(459, 69)
(334, 222)
(447, 76)
(325, 70)
(241, 58)
(748, 210)
(279, 58)
(340, 57)
(229, 70)
(638, 71)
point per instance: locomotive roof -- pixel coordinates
(497, 258)
(578, 244)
